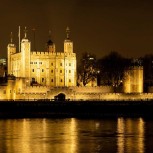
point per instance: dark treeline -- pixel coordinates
(109, 70)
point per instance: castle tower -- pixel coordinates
(25, 56)
(11, 49)
(50, 44)
(133, 78)
(68, 44)
(69, 61)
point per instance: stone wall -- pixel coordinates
(18, 90)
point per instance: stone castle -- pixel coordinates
(34, 75)
(48, 68)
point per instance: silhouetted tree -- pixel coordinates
(148, 71)
(87, 70)
(112, 68)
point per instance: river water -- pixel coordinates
(71, 135)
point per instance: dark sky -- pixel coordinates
(97, 26)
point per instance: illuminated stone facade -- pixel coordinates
(133, 80)
(133, 77)
(48, 68)
(44, 75)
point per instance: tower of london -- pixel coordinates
(47, 68)
(37, 75)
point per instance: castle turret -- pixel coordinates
(50, 45)
(11, 49)
(133, 78)
(68, 44)
(25, 56)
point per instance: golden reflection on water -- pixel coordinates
(28, 143)
(126, 129)
(72, 135)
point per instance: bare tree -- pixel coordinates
(87, 70)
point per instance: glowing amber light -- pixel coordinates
(125, 139)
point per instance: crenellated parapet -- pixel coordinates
(60, 54)
(96, 89)
(36, 89)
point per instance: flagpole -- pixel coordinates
(19, 38)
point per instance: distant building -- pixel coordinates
(3, 62)
(3, 70)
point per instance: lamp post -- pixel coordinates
(98, 78)
(44, 96)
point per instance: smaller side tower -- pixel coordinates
(133, 78)
(25, 56)
(11, 49)
(68, 44)
(50, 44)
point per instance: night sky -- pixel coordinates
(97, 26)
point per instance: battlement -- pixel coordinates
(136, 67)
(36, 89)
(97, 89)
(39, 53)
(58, 54)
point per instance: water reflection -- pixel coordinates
(74, 135)
(130, 135)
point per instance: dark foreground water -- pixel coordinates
(71, 135)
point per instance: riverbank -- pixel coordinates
(80, 109)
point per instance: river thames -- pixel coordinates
(72, 135)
